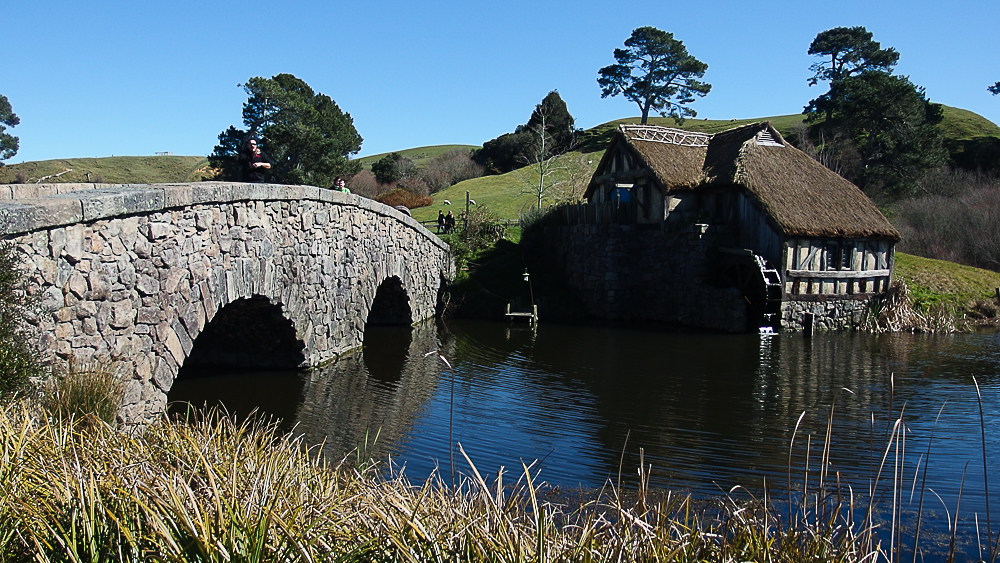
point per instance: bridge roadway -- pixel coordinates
(161, 276)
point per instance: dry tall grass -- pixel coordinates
(212, 489)
(894, 312)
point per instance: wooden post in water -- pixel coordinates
(807, 325)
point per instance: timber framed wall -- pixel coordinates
(817, 266)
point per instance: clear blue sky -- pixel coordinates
(132, 78)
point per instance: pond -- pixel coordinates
(708, 412)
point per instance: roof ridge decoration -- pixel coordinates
(667, 135)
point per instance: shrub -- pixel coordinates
(963, 228)
(393, 167)
(450, 168)
(482, 231)
(86, 391)
(408, 199)
(483, 228)
(414, 185)
(364, 184)
(20, 363)
(21, 175)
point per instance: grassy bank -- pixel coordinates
(111, 170)
(214, 490)
(961, 292)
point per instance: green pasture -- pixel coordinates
(934, 282)
(114, 169)
(420, 155)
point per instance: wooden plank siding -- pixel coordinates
(756, 231)
(809, 268)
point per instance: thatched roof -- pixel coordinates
(801, 196)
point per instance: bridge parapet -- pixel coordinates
(136, 272)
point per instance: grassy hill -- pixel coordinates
(508, 195)
(505, 194)
(113, 170)
(420, 155)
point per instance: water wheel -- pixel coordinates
(760, 286)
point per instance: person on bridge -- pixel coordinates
(339, 185)
(253, 162)
(440, 221)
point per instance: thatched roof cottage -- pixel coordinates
(797, 232)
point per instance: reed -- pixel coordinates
(210, 488)
(214, 489)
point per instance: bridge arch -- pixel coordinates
(391, 304)
(143, 273)
(250, 332)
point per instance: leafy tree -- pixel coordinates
(540, 154)
(553, 115)
(850, 51)
(656, 72)
(500, 155)
(8, 142)
(392, 168)
(995, 88)
(895, 128)
(508, 151)
(307, 136)
(885, 120)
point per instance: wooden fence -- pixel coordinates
(601, 213)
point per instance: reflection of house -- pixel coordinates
(787, 232)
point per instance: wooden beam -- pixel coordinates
(838, 274)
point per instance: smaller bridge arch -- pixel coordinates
(391, 304)
(144, 273)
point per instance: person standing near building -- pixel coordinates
(253, 162)
(440, 220)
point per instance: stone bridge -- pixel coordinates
(165, 275)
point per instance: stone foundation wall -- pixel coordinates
(830, 312)
(136, 272)
(623, 273)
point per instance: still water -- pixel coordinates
(709, 412)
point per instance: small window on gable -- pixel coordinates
(766, 139)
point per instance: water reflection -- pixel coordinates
(381, 390)
(709, 411)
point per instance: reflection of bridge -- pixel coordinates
(215, 273)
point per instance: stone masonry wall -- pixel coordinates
(624, 273)
(136, 272)
(830, 312)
